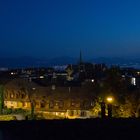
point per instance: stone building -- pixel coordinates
(67, 102)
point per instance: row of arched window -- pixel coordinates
(15, 95)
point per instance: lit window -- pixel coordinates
(12, 95)
(71, 113)
(83, 113)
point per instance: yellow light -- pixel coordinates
(109, 99)
(62, 114)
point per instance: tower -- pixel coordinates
(81, 64)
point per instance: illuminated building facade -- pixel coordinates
(66, 102)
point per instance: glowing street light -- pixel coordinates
(109, 99)
(109, 106)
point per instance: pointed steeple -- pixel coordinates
(81, 64)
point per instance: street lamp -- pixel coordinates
(109, 106)
(109, 99)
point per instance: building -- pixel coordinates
(65, 102)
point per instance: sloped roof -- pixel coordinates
(20, 83)
(72, 93)
(47, 92)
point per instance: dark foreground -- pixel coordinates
(114, 129)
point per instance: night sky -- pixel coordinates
(53, 28)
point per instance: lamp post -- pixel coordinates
(32, 110)
(103, 110)
(32, 102)
(109, 106)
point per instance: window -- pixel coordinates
(12, 95)
(61, 104)
(56, 103)
(42, 104)
(51, 104)
(83, 113)
(17, 95)
(24, 104)
(75, 104)
(37, 104)
(22, 96)
(86, 104)
(71, 113)
(72, 103)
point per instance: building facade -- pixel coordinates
(65, 102)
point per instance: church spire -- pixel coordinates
(81, 64)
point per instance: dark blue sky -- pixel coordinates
(52, 28)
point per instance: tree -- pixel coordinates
(1, 99)
(32, 110)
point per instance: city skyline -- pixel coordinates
(52, 29)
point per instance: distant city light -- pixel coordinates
(133, 81)
(41, 77)
(138, 73)
(3, 69)
(33, 88)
